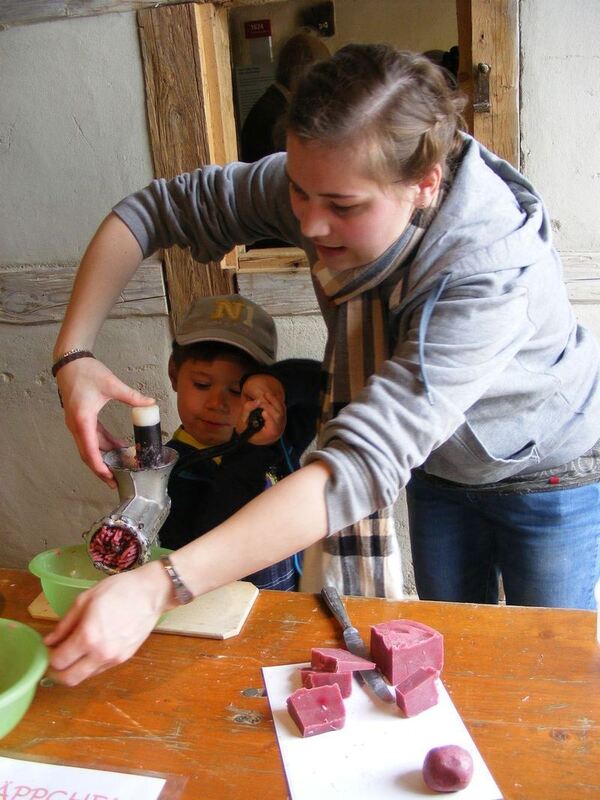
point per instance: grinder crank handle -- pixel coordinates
(256, 423)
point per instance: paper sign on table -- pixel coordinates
(31, 779)
(377, 754)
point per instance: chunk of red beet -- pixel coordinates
(418, 692)
(448, 768)
(311, 678)
(317, 710)
(336, 659)
(402, 646)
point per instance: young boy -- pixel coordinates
(222, 367)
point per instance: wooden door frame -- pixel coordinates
(488, 37)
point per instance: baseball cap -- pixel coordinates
(231, 319)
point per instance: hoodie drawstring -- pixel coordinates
(428, 307)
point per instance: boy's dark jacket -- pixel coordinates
(207, 493)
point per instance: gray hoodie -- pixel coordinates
(490, 377)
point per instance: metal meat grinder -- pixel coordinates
(123, 539)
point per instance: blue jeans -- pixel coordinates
(545, 545)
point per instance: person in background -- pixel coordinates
(263, 131)
(455, 364)
(222, 367)
(448, 61)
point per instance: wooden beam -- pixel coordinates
(25, 12)
(176, 97)
(273, 259)
(582, 276)
(33, 294)
(212, 47)
(283, 294)
(465, 57)
(496, 42)
(488, 33)
(286, 289)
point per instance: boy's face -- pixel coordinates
(208, 397)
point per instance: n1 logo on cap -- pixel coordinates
(232, 309)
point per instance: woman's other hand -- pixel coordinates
(85, 386)
(108, 623)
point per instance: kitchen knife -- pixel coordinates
(354, 643)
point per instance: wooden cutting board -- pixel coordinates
(219, 614)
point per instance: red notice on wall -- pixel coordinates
(257, 28)
(260, 44)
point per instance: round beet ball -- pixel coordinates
(448, 768)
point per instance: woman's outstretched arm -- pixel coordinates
(108, 623)
(86, 385)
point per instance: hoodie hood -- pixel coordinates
(491, 219)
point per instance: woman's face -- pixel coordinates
(350, 218)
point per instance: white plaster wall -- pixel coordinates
(560, 116)
(73, 135)
(560, 122)
(73, 141)
(47, 496)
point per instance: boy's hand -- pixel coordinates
(267, 393)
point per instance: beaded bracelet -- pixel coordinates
(70, 355)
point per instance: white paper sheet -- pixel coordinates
(378, 754)
(57, 782)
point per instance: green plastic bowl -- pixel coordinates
(65, 572)
(23, 661)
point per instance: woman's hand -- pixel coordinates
(108, 623)
(85, 386)
(267, 393)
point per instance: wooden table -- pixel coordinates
(526, 682)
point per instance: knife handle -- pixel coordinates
(332, 597)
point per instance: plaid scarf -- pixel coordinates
(364, 558)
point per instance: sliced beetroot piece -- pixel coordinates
(335, 659)
(401, 647)
(311, 678)
(317, 710)
(418, 692)
(448, 768)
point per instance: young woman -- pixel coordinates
(453, 356)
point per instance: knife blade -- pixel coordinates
(370, 677)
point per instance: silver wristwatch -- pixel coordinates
(181, 591)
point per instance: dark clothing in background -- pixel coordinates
(262, 134)
(262, 131)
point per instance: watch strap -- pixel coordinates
(180, 590)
